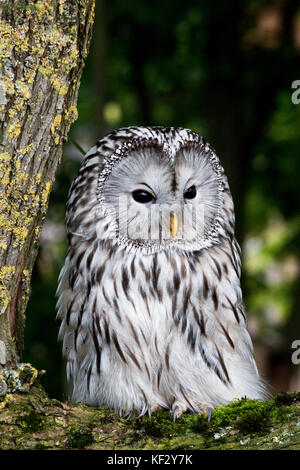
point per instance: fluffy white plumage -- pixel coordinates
(154, 322)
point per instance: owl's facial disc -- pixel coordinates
(160, 200)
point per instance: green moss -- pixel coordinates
(40, 446)
(254, 416)
(196, 423)
(79, 437)
(161, 424)
(283, 399)
(254, 420)
(244, 414)
(32, 421)
(280, 406)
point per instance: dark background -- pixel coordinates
(224, 69)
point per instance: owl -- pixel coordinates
(150, 302)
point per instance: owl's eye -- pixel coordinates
(190, 193)
(142, 196)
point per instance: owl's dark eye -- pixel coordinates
(142, 196)
(190, 193)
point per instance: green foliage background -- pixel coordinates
(224, 69)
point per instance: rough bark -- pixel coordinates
(43, 47)
(29, 419)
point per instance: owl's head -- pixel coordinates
(159, 188)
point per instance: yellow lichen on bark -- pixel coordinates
(6, 275)
(71, 114)
(14, 129)
(20, 201)
(55, 128)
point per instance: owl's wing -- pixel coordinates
(73, 307)
(70, 310)
(214, 321)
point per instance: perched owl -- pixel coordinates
(149, 296)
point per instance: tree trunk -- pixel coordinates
(43, 47)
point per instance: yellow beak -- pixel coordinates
(173, 223)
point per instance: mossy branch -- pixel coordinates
(29, 419)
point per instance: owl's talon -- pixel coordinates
(206, 409)
(176, 413)
(178, 408)
(155, 407)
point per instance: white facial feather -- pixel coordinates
(152, 169)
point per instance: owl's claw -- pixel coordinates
(176, 413)
(155, 407)
(206, 409)
(179, 407)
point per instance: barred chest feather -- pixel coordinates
(162, 327)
